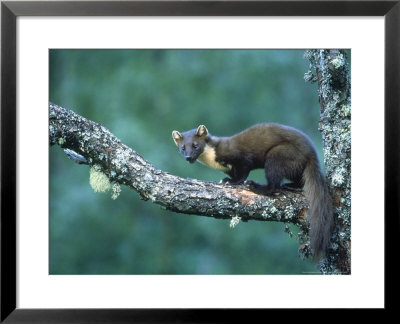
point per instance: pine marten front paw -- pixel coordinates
(225, 181)
(231, 182)
(250, 183)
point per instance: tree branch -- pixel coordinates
(105, 153)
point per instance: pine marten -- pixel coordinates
(283, 152)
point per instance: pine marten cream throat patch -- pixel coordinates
(208, 158)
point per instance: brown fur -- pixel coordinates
(283, 152)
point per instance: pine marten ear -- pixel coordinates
(177, 137)
(202, 131)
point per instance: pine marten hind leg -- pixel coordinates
(296, 185)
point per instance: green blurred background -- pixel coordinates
(141, 96)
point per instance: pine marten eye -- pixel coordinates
(195, 146)
(183, 147)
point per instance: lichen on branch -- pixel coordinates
(107, 155)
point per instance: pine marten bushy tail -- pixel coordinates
(282, 151)
(320, 211)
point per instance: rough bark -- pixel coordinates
(91, 143)
(330, 68)
(88, 142)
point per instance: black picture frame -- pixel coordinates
(11, 10)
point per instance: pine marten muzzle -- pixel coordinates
(282, 151)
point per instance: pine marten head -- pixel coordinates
(191, 144)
